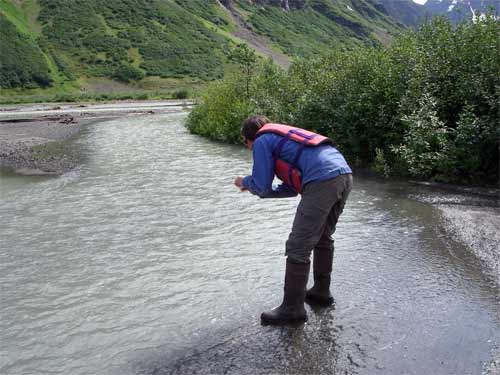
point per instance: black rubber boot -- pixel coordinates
(319, 294)
(291, 310)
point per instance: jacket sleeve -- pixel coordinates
(261, 181)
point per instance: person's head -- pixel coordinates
(251, 126)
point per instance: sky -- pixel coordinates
(420, 1)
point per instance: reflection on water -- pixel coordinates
(147, 260)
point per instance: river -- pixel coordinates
(147, 260)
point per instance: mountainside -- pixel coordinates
(405, 11)
(461, 10)
(50, 42)
(21, 48)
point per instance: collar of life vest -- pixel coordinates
(295, 134)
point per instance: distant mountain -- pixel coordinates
(50, 42)
(461, 10)
(407, 12)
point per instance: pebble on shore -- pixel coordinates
(37, 146)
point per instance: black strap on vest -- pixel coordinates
(286, 138)
(277, 150)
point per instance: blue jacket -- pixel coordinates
(319, 163)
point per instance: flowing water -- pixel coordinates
(147, 260)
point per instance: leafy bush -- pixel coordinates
(426, 144)
(425, 106)
(224, 108)
(180, 94)
(225, 105)
(127, 73)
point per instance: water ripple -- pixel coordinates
(148, 260)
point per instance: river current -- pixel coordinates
(147, 260)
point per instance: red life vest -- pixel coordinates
(289, 173)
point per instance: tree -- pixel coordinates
(247, 60)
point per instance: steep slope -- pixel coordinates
(314, 26)
(127, 40)
(405, 11)
(22, 62)
(120, 39)
(254, 40)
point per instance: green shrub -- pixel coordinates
(425, 106)
(180, 94)
(426, 143)
(223, 110)
(127, 73)
(380, 164)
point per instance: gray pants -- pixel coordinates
(316, 218)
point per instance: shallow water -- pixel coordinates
(147, 260)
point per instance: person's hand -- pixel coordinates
(238, 181)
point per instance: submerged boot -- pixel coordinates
(319, 294)
(292, 308)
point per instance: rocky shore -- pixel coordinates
(494, 367)
(477, 227)
(37, 146)
(33, 138)
(471, 216)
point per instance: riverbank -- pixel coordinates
(472, 217)
(477, 227)
(37, 146)
(33, 138)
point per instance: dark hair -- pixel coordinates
(251, 126)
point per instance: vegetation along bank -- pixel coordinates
(425, 106)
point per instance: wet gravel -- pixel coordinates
(471, 216)
(37, 146)
(33, 138)
(279, 350)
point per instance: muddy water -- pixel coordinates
(146, 260)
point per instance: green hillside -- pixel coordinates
(145, 44)
(98, 38)
(22, 62)
(312, 30)
(25, 64)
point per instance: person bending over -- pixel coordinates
(310, 165)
